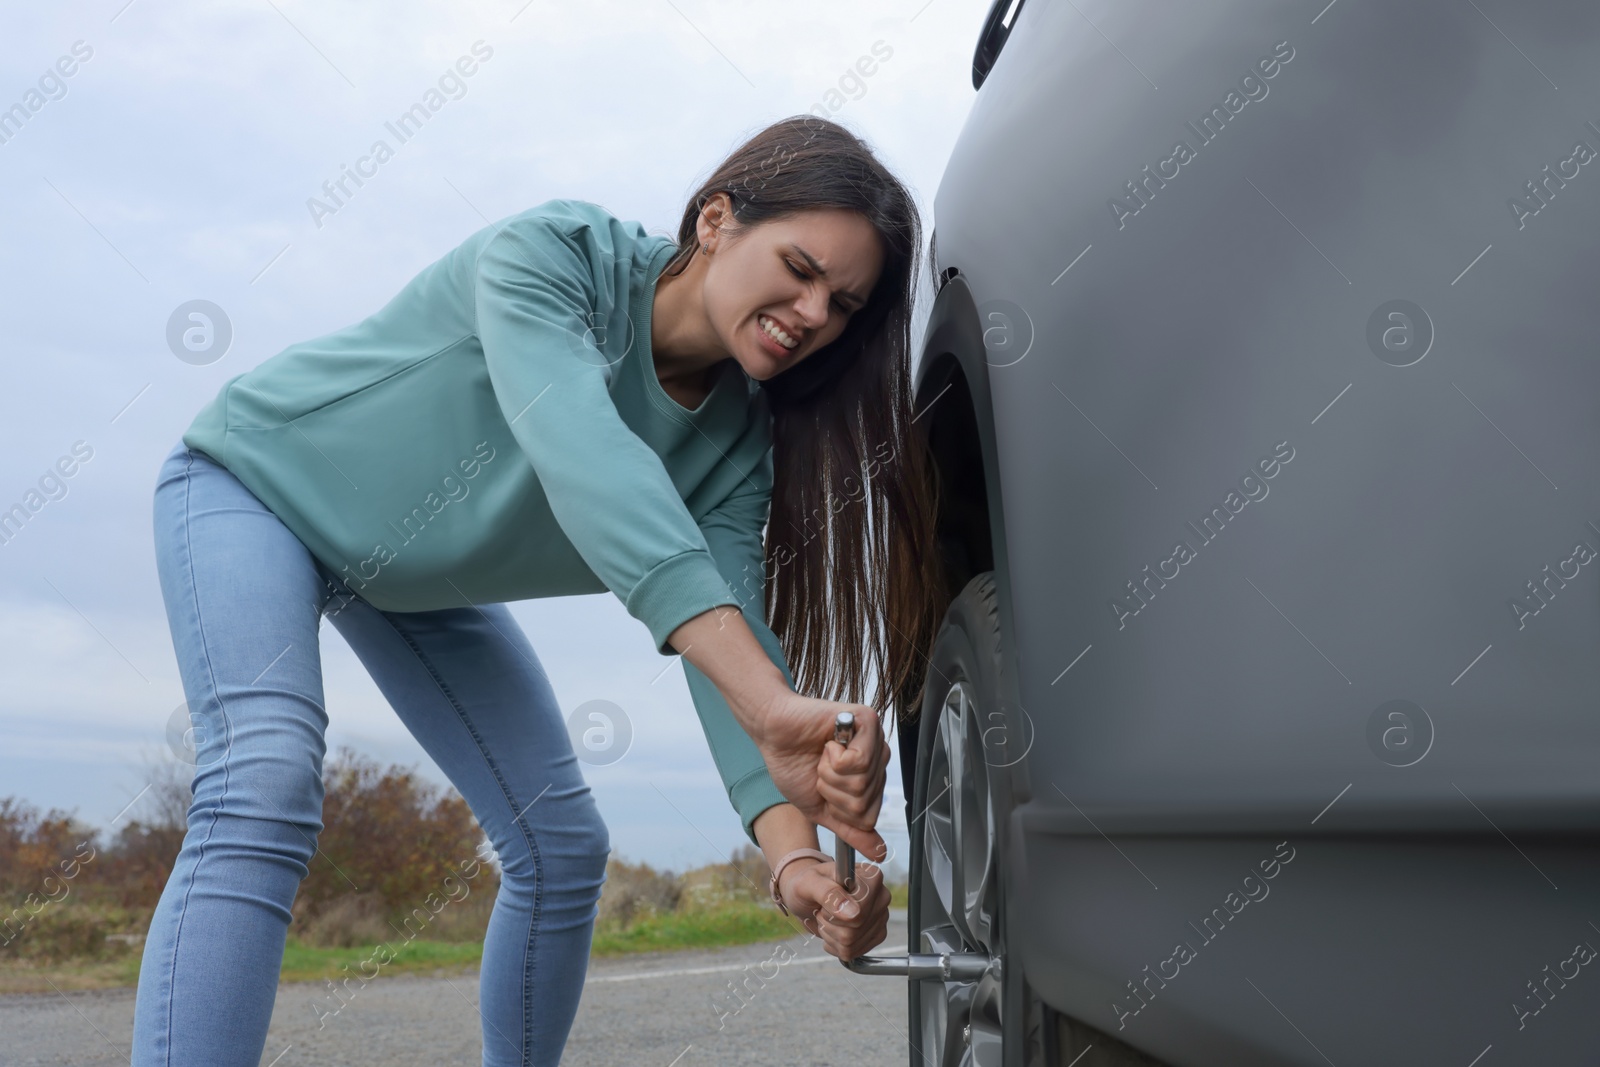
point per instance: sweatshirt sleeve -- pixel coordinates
(733, 531)
(535, 294)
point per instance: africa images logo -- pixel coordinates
(404, 128)
(1252, 87)
(412, 525)
(1252, 889)
(1254, 488)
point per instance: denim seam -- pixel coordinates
(177, 937)
(529, 956)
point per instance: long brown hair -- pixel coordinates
(850, 546)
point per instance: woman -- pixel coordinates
(561, 404)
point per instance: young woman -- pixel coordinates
(562, 404)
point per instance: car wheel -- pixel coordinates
(968, 746)
(963, 797)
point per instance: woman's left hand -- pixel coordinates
(814, 896)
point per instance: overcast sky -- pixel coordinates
(175, 163)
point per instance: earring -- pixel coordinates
(705, 249)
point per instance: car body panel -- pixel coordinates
(1384, 651)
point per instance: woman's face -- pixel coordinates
(805, 275)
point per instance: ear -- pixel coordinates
(717, 213)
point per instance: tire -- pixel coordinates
(970, 744)
(962, 800)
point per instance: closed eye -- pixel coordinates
(806, 277)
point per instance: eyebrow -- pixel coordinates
(812, 263)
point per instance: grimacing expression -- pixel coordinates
(808, 274)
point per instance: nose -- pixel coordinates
(812, 310)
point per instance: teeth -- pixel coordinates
(775, 333)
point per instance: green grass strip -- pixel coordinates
(739, 924)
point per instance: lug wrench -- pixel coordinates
(844, 857)
(940, 966)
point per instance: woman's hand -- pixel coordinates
(842, 788)
(813, 895)
(834, 786)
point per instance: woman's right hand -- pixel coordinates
(832, 785)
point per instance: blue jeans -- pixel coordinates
(245, 600)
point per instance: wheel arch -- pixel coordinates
(951, 395)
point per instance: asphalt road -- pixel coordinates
(670, 1009)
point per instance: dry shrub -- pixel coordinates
(62, 932)
(467, 919)
(405, 845)
(749, 872)
(141, 855)
(633, 890)
(138, 863)
(393, 835)
(357, 919)
(718, 885)
(351, 920)
(34, 845)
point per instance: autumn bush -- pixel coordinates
(633, 890)
(34, 844)
(394, 841)
(395, 854)
(741, 880)
(397, 858)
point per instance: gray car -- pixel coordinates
(1263, 379)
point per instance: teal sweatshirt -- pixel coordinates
(497, 432)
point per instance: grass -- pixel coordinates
(735, 924)
(739, 923)
(312, 963)
(301, 963)
(69, 975)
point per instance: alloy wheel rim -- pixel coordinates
(961, 1021)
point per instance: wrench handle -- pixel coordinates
(844, 856)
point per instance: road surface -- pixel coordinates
(670, 1009)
